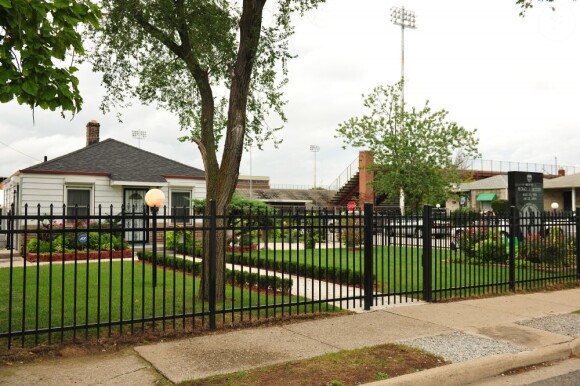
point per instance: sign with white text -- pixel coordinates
(526, 193)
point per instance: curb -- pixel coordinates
(457, 374)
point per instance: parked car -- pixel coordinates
(413, 227)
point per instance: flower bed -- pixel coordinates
(241, 248)
(79, 255)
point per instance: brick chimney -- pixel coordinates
(561, 172)
(366, 177)
(93, 132)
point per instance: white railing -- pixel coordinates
(345, 176)
(481, 165)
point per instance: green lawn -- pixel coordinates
(398, 269)
(115, 291)
(95, 294)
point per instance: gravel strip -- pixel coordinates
(566, 324)
(460, 347)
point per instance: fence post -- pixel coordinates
(10, 228)
(154, 210)
(513, 227)
(368, 255)
(212, 263)
(427, 253)
(577, 243)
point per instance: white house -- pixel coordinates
(103, 173)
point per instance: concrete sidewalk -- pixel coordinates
(493, 318)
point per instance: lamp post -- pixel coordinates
(154, 198)
(315, 149)
(555, 206)
(406, 19)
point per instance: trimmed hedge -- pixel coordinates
(274, 283)
(344, 276)
(186, 246)
(240, 278)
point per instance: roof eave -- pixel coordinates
(54, 172)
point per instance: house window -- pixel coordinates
(78, 202)
(181, 205)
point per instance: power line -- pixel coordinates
(18, 151)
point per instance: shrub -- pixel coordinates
(102, 241)
(462, 216)
(483, 245)
(493, 249)
(177, 240)
(351, 233)
(95, 241)
(311, 238)
(240, 278)
(36, 245)
(468, 240)
(555, 249)
(246, 239)
(344, 276)
(500, 206)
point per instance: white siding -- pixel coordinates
(107, 195)
(199, 189)
(43, 190)
(197, 186)
(47, 189)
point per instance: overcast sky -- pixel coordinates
(517, 80)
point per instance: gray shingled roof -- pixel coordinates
(123, 162)
(495, 182)
(570, 181)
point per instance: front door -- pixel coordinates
(134, 202)
(567, 201)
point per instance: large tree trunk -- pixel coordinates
(221, 182)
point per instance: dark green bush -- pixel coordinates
(500, 207)
(182, 242)
(96, 241)
(239, 278)
(555, 249)
(39, 246)
(492, 250)
(344, 276)
(462, 216)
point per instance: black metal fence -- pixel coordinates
(66, 277)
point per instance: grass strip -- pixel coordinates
(343, 368)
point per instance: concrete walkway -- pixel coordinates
(226, 352)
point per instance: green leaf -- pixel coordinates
(41, 31)
(62, 3)
(30, 87)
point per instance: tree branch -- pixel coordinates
(157, 33)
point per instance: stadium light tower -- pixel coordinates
(406, 19)
(315, 149)
(139, 135)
